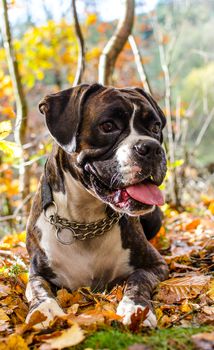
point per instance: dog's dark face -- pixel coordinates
(113, 137)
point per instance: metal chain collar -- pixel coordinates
(81, 231)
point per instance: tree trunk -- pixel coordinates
(81, 47)
(21, 105)
(116, 43)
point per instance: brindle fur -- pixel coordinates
(148, 266)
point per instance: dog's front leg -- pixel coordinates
(41, 299)
(138, 292)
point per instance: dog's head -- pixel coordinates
(113, 141)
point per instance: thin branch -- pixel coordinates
(204, 128)
(116, 43)
(139, 64)
(81, 47)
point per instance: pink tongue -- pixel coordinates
(146, 193)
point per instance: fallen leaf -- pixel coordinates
(3, 317)
(210, 292)
(4, 290)
(193, 224)
(64, 298)
(68, 337)
(177, 289)
(206, 315)
(36, 317)
(185, 307)
(204, 341)
(211, 208)
(138, 347)
(137, 319)
(14, 341)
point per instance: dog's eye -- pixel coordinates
(155, 128)
(108, 127)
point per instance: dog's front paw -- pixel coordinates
(127, 308)
(49, 308)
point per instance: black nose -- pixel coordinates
(147, 149)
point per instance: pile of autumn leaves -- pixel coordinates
(187, 299)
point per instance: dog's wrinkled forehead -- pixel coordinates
(130, 110)
(73, 116)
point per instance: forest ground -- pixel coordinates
(184, 304)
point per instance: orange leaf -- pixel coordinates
(193, 224)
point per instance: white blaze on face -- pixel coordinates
(124, 153)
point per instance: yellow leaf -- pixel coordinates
(5, 129)
(40, 75)
(159, 313)
(24, 277)
(15, 341)
(10, 148)
(211, 208)
(69, 337)
(91, 19)
(185, 306)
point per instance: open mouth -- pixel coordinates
(145, 192)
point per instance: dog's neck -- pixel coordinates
(72, 199)
(82, 205)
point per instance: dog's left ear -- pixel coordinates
(154, 105)
(63, 112)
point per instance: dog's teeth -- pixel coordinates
(117, 196)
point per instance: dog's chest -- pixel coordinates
(90, 263)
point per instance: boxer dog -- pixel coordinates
(98, 193)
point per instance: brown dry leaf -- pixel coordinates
(89, 318)
(64, 298)
(68, 337)
(36, 317)
(204, 341)
(210, 292)
(137, 319)
(177, 289)
(206, 315)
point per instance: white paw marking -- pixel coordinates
(48, 308)
(127, 308)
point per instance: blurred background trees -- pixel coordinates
(169, 53)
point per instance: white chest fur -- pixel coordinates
(89, 263)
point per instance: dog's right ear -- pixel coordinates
(63, 112)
